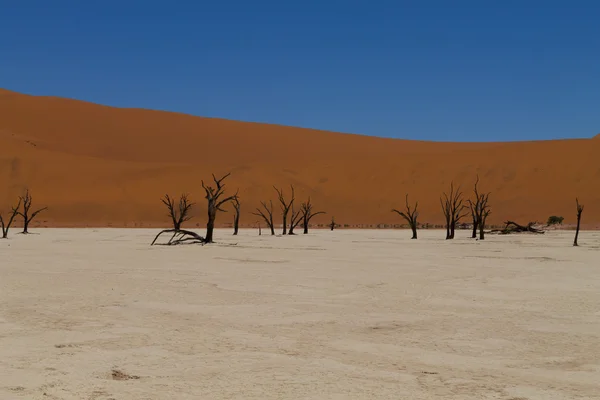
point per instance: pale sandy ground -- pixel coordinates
(333, 315)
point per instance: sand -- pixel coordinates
(350, 314)
(94, 165)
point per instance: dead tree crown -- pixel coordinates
(179, 213)
(266, 215)
(27, 214)
(215, 203)
(308, 214)
(285, 206)
(453, 207)
(410, 215)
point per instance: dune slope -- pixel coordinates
(96, 165)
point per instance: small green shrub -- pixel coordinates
(555, 220)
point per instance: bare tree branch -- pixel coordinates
(410, 216)
(308, 214)
(179, 214)
(27, 215)
(285, 206)
(215, 203)
(266, 215)
(6, 226)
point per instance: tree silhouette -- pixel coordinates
(579, 211)
(236, 215)
(452, 206)
(266, 215)
(213, 196)
(285, 206)
(27, 214)
(410, 215)
(5, 225)
(179, 213)
(308, 214)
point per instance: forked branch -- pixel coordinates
(410, 215)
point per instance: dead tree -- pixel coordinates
(332, 223)
(213, 196)
(27, 214)
(236, 215)
(295, 220)
(452, 206)
(480, 210)
(6, 225)
(410, 216)
(308, 214)
(266, 215)
(511, 227)
(474, 206)
(179, 213)
(285, 206)
(579, 211)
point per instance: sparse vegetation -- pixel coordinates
(555, 220)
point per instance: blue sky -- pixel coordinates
(427, 70)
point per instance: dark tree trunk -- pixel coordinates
(236, 224)
(284, 231)
(414, 231)
(305, 224)
(482, 229)
(579, 211)
(210, 226)
(475, 224)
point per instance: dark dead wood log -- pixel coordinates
(27, 214)
(215, 203)
(511, 227)
(410, 215)
(453, 208)
(6, 224)
(236, 215)
(266, 215)
(579, 211)
(285, 206)
(308, 214)
(180, 236)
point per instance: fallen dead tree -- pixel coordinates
(511, 227)
(178, 216)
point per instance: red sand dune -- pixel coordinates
(98, 166)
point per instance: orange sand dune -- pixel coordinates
(96, 165)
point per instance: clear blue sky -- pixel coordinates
(429, 69)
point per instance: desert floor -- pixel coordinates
(349, 314)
